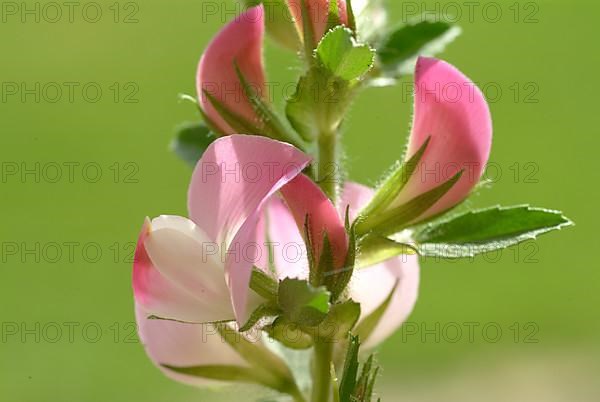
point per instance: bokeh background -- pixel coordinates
(538, 65)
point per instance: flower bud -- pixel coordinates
(239, 42)
(318, 11)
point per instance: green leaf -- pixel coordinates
(223, 373)
(348, 381)
(375, 249)
(368, 325)
(319, 102)
(408, 41)
(191, 140)
(339, 322)
(394, 183)
(302, 303)
(339, 52)
(396, 219)
(289, 334)
(485, 230)
(262, 311)
(276, 373)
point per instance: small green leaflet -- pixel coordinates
(485, 230)
(339, 52)
(191, 140)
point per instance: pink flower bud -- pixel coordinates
(241, 42)
(319, 13)
(449, 108)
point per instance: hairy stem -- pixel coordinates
(322, 372)
(328, 174)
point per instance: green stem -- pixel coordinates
(322, 371)
(328, 174)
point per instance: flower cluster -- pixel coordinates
(207, 311)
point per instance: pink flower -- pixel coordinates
(319, 13)
(449, 108)
(241, 42)
(198, 270)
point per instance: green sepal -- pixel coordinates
(333, 16)
(342, 56)
(366, 381)
(351, 17)
(264, 285)
(375, 249)
(273, 126)
(325, 274)
(279, 22)
(191, 140)
(485, 230)
(308, 33)
(303, 304)
(396, 219)
(237, 122)
(394, 183)
(350, 371)
(338, 279)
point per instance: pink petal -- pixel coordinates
(305, 199)
(231, 183)
(452, 110)
(371, 286)
(319, 13)
(241, 41)
(176, 275)
(183, 345)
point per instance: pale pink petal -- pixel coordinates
(306, 201)
(319, 13)
(289, 251)
(231, 183)
(452, 110)
(240, 41)
(177, 273)
(371, 286)
(183, 345)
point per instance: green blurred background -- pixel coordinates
(546, 136)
